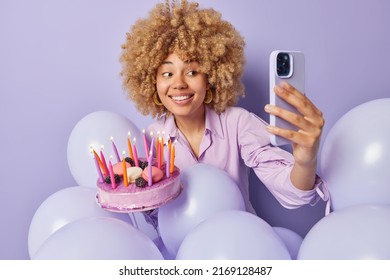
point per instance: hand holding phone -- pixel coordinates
(288, 66)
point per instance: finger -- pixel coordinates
(297, 120)
(297, 137)
(303, 105)
(305, 125)
(297, 99)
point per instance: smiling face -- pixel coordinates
(181, 88)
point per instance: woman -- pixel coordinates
(183, 65)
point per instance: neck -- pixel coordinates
(192, 124)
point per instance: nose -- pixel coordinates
(179, 82)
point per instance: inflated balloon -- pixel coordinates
(207, 190)
(233, 235)
(142, 224)
(61, 208)
(291, 239)
(356, 154)
(95, 130)
(98, 238)
(160, 245)
(358, 232)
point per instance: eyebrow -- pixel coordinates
(170, 62)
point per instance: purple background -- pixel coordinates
(59, 62)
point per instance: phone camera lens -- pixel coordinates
(283, 64)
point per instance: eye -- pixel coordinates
(166, 74)
(192, 73)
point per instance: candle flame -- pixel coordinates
(112, 138)
(128, 133)
(143, 131)
(124, 152)
(102, 147)
(134, 139)
(151, 134)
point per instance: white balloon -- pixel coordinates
(356, 154)
(141, 224)
(98, 238)
(291, 239)
(358, 232)
(96, 129)
(63, 207)
(206, 190)
(160, 245)
(233, 235)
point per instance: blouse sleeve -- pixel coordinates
(273, 165)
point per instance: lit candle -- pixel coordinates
(152, 141)
(129, 146)
(98, 159)
(112, 176)
(168, 156)
(95, 156)
(150, 182)
(159, 153)
(158, 137)
(146, 144)
(124, 168)
(135, 153)
(151, 146)
(172, 163)
(157, 142)
(162, 145)
(105, 169)
(115, 149)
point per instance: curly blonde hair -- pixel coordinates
(194, 35)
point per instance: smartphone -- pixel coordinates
(286, 66)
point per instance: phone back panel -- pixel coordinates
(296, 79)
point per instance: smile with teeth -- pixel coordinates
(181, 97)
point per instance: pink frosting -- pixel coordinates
(132, 198)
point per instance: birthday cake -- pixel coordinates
(133, 184)
(139, 196)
